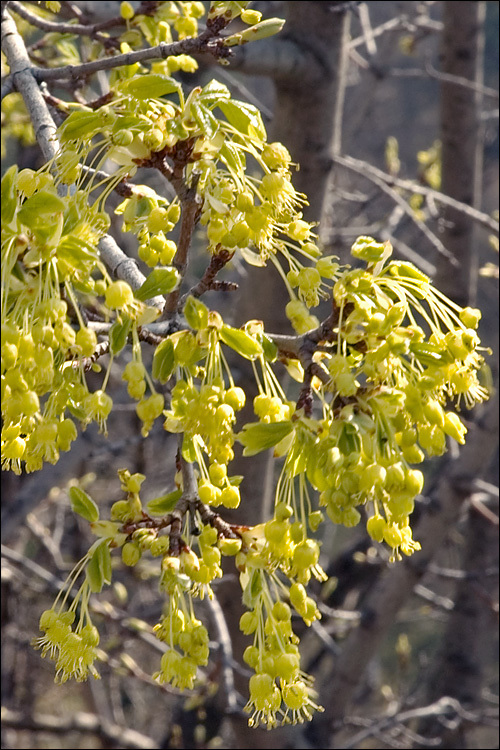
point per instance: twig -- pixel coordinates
(42, 534)
(21, 72)
(477, 503)
(371, 172)
(206, 42)
(441, 708)
(385, 184)
(86, 362)
(226, 651)
(59, 27)
(443, 602)
(79, 722)
(207, 281)
(430, 72)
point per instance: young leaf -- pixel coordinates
(8, 203)
(208, 124)
(213, 93)
(244, 117)
(241, 342)
(162, 505)
(118, 334)
(99, 567)
(43, 203)
(252, 589)
(79, 125)
(159, 281)
(164, 361)
(151, 86)
(196, 313)
(259, 436)
(83, 504)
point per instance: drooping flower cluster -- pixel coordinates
(379, 378)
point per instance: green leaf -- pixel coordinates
(118, 334)
(236, 480)
(163, 361)
(159, 281)
(151, 86)
(405, 268)
(233, 157)
(259, 436)
(43, 203)
(76, 252)
(270, 348)
(107, 530)
(427, 353)
(99, 567)
(129, 122)
(196, 313)
(83, 504)
(253, 259)
(252, 589)
(349, 441)
(213, 93)
(208, 124)
(80, 125)
(189, 449)
(244, 117)
(164, 504)
(241, 342)
(9, 201)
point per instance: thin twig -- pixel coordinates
(79, 722)
(226, 651)
(59, 27)
(443, 707)
(206, 42)
(377, 176)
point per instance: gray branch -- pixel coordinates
(21, 71)
(23, 76)
(79, 722)
(447, 708)
(376, 175)
(203, 43)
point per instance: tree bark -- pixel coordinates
(462, 52)
(308, 120)
(467, 644)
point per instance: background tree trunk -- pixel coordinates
(462, 52)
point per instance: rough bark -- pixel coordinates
(462, 51)
(467, 644)
(307, 118)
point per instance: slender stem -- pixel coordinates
(206, 42)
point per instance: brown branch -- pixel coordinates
(207, 281)
(181, 155)
(86, 362)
